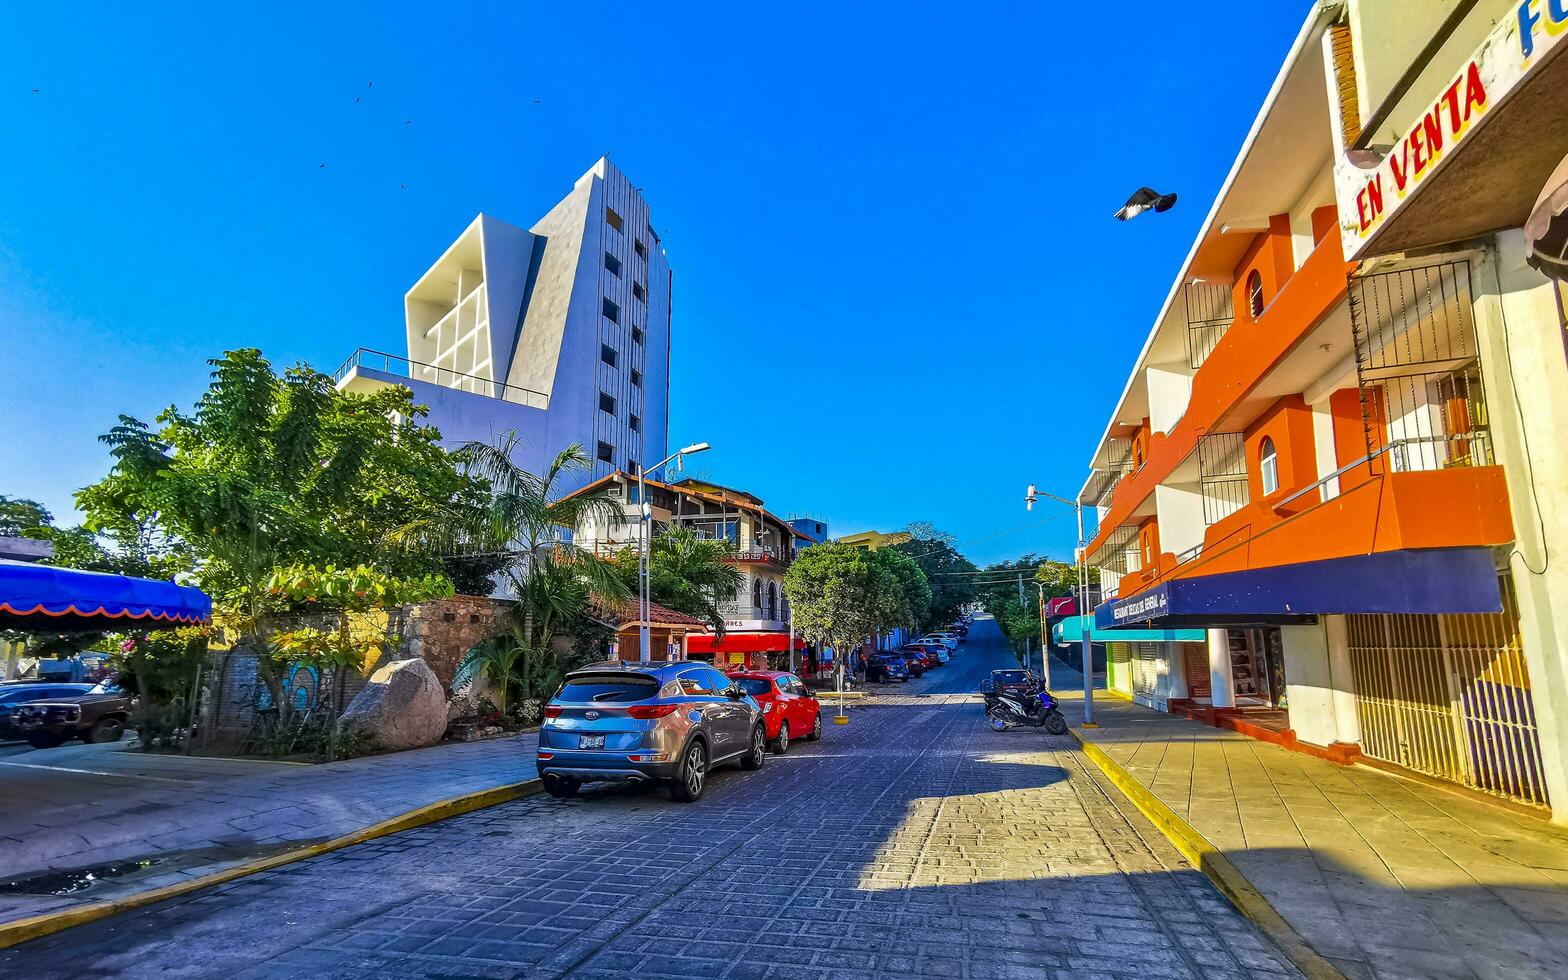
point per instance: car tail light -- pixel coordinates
(653, 757)
(546, 756)
(552, 711)
(646, 711)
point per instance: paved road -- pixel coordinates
(912, 842)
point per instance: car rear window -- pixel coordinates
(608, 687)
(755, 685)
(1009, 677)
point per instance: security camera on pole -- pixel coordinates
(645, 539)
(1083, 600)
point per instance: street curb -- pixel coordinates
(1207, 858)
(23, 930)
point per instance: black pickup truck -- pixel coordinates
(97, 716)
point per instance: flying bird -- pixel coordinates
(1146, 199)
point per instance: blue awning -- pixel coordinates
(1070, 630)
(1445, 580)
(45, 599)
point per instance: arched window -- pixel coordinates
(1255, 293)
(773, 600)
(756, 593)
(1268, 466)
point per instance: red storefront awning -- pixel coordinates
(741, 643)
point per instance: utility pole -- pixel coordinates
(1085, 622)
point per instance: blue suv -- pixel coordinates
(669, 722)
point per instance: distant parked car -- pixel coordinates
(928, 654)
(948, 643)
(16, 693)
(98, 715)
(887, 667)
(788, 709)
(669, 722)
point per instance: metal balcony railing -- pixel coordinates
(760, 553)
(1210, 311)
(375, 360)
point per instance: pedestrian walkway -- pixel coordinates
(1385, 876)
(188, 828)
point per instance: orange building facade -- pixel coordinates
(1304, 463)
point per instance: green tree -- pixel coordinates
(1060, 578)
(949, 574)
(840, 596)
(18, 516)
(271, 471)
(912, 603)
(686, 573)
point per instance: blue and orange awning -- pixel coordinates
(45, 599)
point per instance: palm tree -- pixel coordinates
(555, 582)
(691, 575)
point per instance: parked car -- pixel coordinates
(789, 711)
(16, 693)
(98, 715)
(887, 667)
(1012, 682)
(938, 649)
(926, 654)
(670, 722)
(950, 645)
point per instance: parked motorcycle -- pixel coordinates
(1034, 710)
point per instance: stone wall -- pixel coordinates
(442, 631)
(439, 632)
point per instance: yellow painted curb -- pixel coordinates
(1207, 858)
(22, 930)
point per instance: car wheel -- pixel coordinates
(45, 740)
(758, 753)
(816, 728)
(781, 744)
(106, 730)
(562, 789)
(692, 777)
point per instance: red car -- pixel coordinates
(789, 711)
(928, 659)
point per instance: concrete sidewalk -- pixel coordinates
(232, 812)
(1385, 877)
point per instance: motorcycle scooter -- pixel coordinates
(1037, 709)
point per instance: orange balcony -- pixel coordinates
(1240, 361)
(1452, 508)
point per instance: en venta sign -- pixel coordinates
(1369, 196)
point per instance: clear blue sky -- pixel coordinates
(899, 293)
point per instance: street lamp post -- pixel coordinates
(645, 540)
(1083, 601)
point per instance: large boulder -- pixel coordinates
(403, 706)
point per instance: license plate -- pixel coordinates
(590, 741)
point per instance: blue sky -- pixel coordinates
(899, 293)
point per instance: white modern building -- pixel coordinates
(560, 333)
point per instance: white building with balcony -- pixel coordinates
(757, 620)
(560, 333)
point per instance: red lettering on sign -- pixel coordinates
(1417, 149)
(1475, 92)
(1432, 126)
(1452, 98)
(1400, 165)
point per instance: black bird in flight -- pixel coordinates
(1145, 199)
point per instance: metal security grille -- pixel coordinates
(1421, 393)
(1145, 671)
(1222, 475)
(1210, 311)
(1103, 481)
(1449, 696)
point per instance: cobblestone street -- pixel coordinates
(913, 841)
